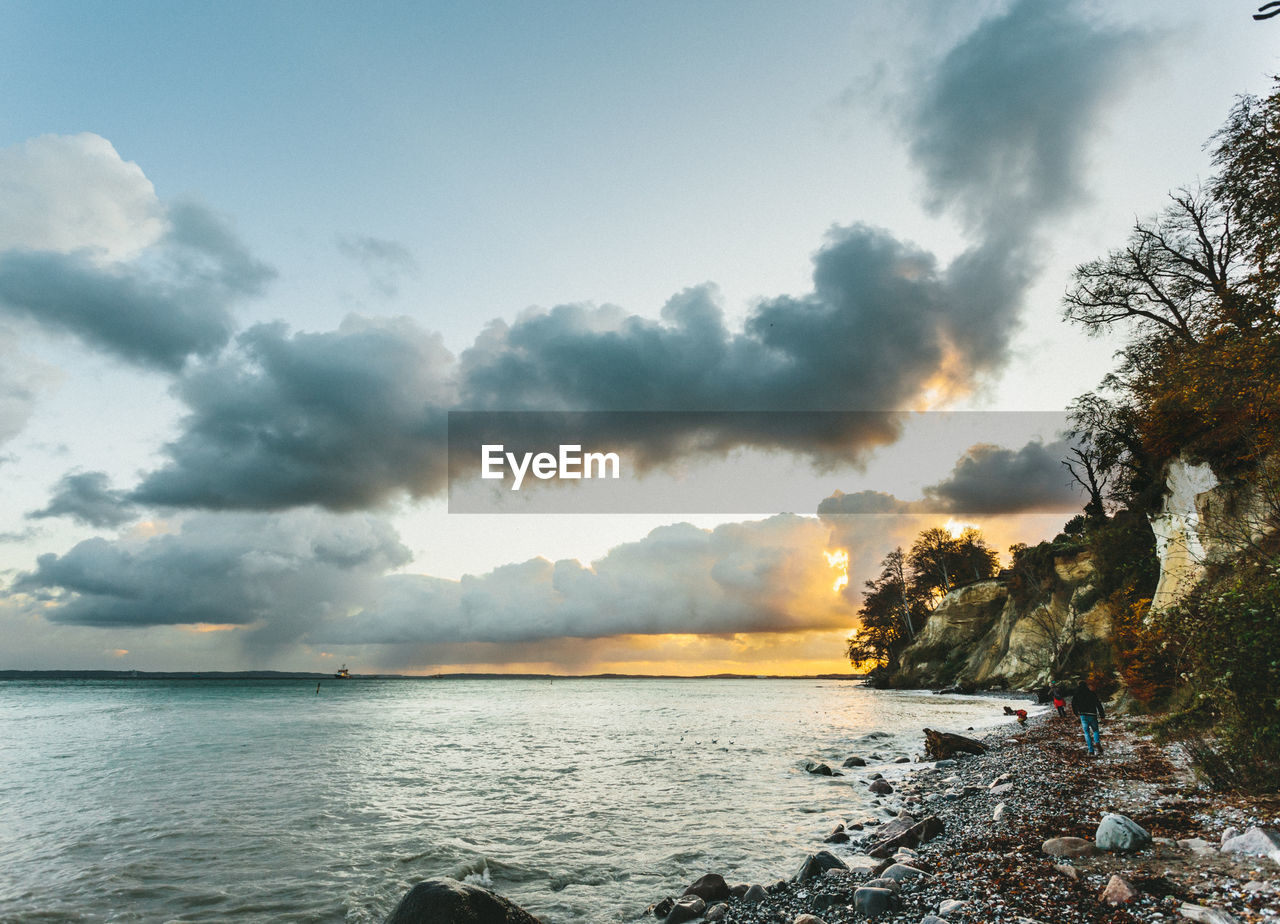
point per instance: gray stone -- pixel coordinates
(717, 911)
(819, 769)
(1116, 832)
(817, 864)
(660, 909)
(1068, 847)
(871, 902)
(755, 894)
(1001, 812)
(808, 919)
(1001, 789)
(1069, 871)
(709, 888)
(854, 761)
(1256, 842)
(688, 908)
(949, 905)
(945, 762)
(1228, 834)
(444, 901)
(1203, 915)
(932, 919)
(881, 882)
(901, 872)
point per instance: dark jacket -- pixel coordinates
(1085, 702)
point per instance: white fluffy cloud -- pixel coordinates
(68, 193)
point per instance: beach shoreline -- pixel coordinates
(984, 868)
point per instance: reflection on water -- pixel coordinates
(579, 799)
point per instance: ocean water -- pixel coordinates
(582, 800)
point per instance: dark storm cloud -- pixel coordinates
(233, 569)
(88, 498)
(155, 311)
(864, 503)
(341, 419)
(1002, 124)
(994, 479)
(384, 262)
(348, 419)
(987, 479)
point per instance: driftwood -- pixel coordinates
(941, 745)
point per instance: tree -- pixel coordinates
(897, 603)
(939, 561)
(1089, 470)
(1196, 289)
(1175, 274)
(890, 616)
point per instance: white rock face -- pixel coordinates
(1177, 530)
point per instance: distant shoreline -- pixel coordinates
(305, 675)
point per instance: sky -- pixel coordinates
(800, 266)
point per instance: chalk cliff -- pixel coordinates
(984, 635)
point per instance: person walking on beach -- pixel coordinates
(1085, 704)
(1059, 702)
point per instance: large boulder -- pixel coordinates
(710, 888)
(900, 872)
(446, 901)
(687, 908)
(817, 864)
(1068, 847)
(1256, 842)
(1116, 832)
(1202, 915)
(872, 902)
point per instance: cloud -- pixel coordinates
(343, 419)
(155, 311)
(355, 417)
(765, 576)
(324, 579)
(1002, 124)
(986, 480)
(280, 572)
(70, 193)
(384, 262)
(20, 379)
(88, 498)
(993, 479)
(88, 249)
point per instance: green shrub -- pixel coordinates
(1225, 644)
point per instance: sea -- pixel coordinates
(579, 799)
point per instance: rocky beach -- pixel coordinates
(1012, 834)
(1031, 830)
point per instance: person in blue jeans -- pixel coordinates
(1085, 704)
